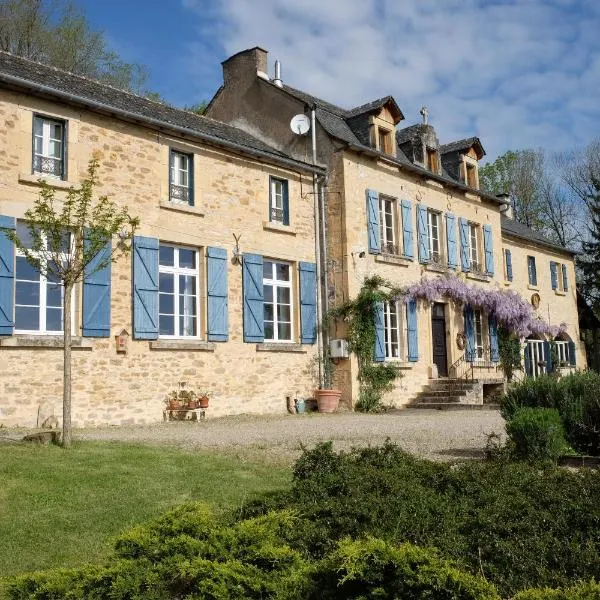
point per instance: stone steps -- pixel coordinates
(447, 394)
(455, 406)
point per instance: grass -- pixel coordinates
(62, 508)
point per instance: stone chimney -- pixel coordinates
(245, 65)
(507, 209)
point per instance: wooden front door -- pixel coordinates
(438, 335)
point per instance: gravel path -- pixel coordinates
(440, 435)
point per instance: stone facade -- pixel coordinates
(231, 197)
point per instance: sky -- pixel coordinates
(517, 73)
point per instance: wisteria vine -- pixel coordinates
(510, 309)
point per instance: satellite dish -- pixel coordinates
(300, 124)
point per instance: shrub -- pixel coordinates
(536, 434)
(582, 591)
(540, 392)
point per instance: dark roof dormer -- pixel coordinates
(420, 145)
(460, 160)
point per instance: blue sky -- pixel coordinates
(517, 73)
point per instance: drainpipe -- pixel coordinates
(317, 244)
(325, 297)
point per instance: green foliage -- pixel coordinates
(536, 434)
(509, 349)
(577, 399)
(375, 379)
(199, 108)
(582, 591)
(374, 568)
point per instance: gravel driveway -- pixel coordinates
(440, 435)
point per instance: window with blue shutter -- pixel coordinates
(308, 302)
(145, 288)
(489, 249)
(532, 270)
(470, 351)
(528, 360)
(252, 282)
(572, 354)
(564, 277)
(412, 337)
(407, 230)
(379, 350)
(451, 240)
(494, 347)
(508, 262)
(217, 294)
(422, 233)
(7, 276)
(279, 203)
(96, 293)
(465, 259)
(548, 357)
(181, 177)
(373, 232)
(553, 274)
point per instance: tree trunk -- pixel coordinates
(66, 426)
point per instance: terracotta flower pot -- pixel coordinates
(203, 402)
(174, 404)
(327, 400)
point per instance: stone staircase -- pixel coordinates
(452, 394)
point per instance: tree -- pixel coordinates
(590, 257)
(199, 108)
(69, 240)
(57, 33)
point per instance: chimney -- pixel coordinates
(507, 209)
(245, 66)
(277, 80)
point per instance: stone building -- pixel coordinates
(234, 317)
(401, 205)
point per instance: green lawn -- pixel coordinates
(61, 508)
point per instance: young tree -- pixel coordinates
(590, 257)
(69, 240)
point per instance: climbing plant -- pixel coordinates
(374, 378)
(509, 349)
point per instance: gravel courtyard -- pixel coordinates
(439, 435)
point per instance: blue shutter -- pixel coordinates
(465, 259)
(169, 179)
(469, 334)
(191, 179)
(528, 365)
(96, 294)
(451, 240)
(423, 233)
(489, 249)
(217, 309)
(145, 288)
(379, 351)
(407, 229)
(411, 331)
(564, 277)
(286, 204)
(572, 354)
(252, 281)
(532, 270)
(308, 302)
(494, 348)
(373, 222)
(553, 274)
(548, 357)
(7, 277)
(509, 271)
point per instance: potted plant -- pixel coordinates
(326, 396)
(172, 400)
(203, 399)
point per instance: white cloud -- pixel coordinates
(518, 73)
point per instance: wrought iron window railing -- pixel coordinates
(48, 165)
(180, 193)
(277, 215)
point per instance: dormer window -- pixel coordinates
(433, 160)
(384, 140)
(471, 178)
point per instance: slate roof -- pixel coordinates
(462, 145)
(374, 105)
(514, 228)
(39, 79)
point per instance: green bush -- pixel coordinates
(540, 392)
(583, 591)
(536, 434)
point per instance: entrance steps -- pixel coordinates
(452, 394)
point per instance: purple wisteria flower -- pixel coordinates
(510, 309)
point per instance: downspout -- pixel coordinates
(325, 297)
(317, 244)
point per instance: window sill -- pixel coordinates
(560, 293)
(393, 259)
(506, 282)
(34, 179)
(438, 268)
(277, 347)
(401, 364)
(181, 207)
(280, 228)
(478, 277)
(535, 288)
(44, 341)
(182, 345)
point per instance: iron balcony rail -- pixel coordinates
(464, 370)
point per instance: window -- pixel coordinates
(393, 330)
(279, 207)
(532, 271)
(433, 162)
(478, 334)
(474, 235)
(48, 147)
(181, 177)
(562, 349)
(38, 293)
(471, 179)
(277, 288)
(178, 281)
(384, 140)
(434, 227)
(388, 217)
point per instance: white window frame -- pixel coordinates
(276, 200)
(394, 322)
(478, 335)
(47, 123)
(176, 271)
(389, 231)
(560, 284)
(531, 261)
(474, 237)
(276, 284)
(536, 354)
(43, 305)
(180, 166)
(562, 348)
(434, 223)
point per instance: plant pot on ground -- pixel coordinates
(327, 400)
(203, 400)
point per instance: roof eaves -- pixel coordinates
(539, 241)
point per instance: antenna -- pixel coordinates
(300, 124)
